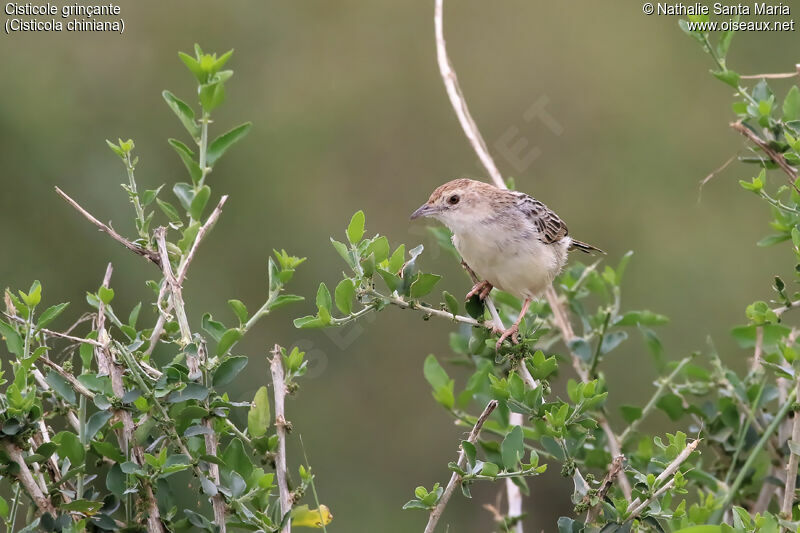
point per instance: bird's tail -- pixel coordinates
(585, 248)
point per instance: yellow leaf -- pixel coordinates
(302, 516)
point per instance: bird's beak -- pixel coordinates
(425, 210)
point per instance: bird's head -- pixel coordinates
(459, 203)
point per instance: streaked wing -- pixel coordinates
(551, 228)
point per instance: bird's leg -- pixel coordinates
(482, 289)
(513, 331)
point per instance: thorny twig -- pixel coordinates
(437, 511)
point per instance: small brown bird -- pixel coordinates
(509, 239)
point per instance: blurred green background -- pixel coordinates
(349, 113)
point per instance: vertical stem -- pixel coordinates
(791, 468)
(202, 158)
(279, 390)
(81, 438)
(137, 206)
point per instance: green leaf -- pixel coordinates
(13, 340)
(490, 470)
(309, 322)
(170, 211)
(424, 284)
(50, 314)
(229, 338)
(791, 105)
(227, 371)
(70, 446)
(434, 373)
(397, 259)
(95, 424)
(239, 309)
(105, 294)
(236, 457)
(345, 293)
(728, 77)
(194, 66)
(61, 386)
(187, 156)
(451, 302)
(258, 418)
(512, 449)
(199, 202)
(379, 247)
(184, 113)
(341, 248)
(672, 405)
(221, 144)
(324, 298)
(185, 194)
(631, 413)
(285, 299)
(192, 391)
(355, 230)
(3, 508)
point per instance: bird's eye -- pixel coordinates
(453, 200)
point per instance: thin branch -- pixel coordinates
(105, 360)
(791, 468)
(158, 329)
(71, 418)
(201, 233)
(76, 385)
(608, 481)
(637, 506)
(780, 75)
(437, 511)
(176, 297)
(399, 302)
(459, 102)
(279, 391)
(135, 248)
(50, 333)
(776, 157)
(25, 477)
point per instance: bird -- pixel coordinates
(509, 239)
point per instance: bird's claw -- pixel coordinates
(482, 289)
(512, 332)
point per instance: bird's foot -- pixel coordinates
(512, 332)
(482, 289)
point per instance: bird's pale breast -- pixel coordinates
(515, 262)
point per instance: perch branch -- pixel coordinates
(437, 511)
(50, 333)
(135, 248)
(279, 390)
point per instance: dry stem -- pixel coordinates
(25, 477)
(437, 511)
(279, 391)
(791, 468)
(637, 506)
(135, 248)
(776, 157)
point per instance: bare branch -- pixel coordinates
(158, 330)
(201, 233)
(455, 478)
(608, 481)
(776, 157)
(279, 391)
(176, 296)
(50, 333)
(637, 506)
(76, 385)
(25, 477)
(791, 468)
(459, 102)
(105, 361)
(780, 75)
(135, 248)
